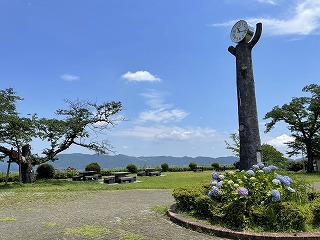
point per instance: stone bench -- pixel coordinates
(198, 169)
(155, 173)
(76, 178)
(127, 179)
(142, 173)
(109, 180)
(93, 177)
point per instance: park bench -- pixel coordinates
(127, 179)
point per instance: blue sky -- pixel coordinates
(165, 60)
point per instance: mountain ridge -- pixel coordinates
(79, 161)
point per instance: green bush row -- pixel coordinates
(47, 171)
(239, 215)
(242, 201)
(13, 177)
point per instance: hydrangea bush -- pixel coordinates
(259, 198)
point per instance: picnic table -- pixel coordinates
(149, 172)
(120, 177)
(86, 175)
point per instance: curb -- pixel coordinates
(227, 233)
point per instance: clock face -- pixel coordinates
(239, 31)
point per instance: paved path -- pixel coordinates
(102, 215)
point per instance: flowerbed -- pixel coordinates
(259, 199)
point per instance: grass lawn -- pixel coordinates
(51, 190)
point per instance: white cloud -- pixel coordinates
(303, 19)
(159, 112)
(182, 134)
(280, 140)
(140, 76)
(69, 77)
(154, 99)
(272, 2)
(162, 115)
(167, 133)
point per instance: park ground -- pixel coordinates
(93, 210)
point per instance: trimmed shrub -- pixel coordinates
(164, 167)
(215, 165)
(188, 198)
(192, 165)
(132, 168)
(45, 171)
(93, 167)
(295, 166)
(178, 169)
(67, 173)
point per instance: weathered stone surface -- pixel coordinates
(249, 135)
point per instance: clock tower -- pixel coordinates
(250, 144)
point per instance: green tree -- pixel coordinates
(45, 171)
(132, 168)
(81, 121)
(77, 125)
(192, 166)
(15, 134)
(235, 147)
(302, 115)
(94, 166)
(271, 156)
(164, 167)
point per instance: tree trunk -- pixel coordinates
(27, 172)
(250, 143)
(310, 154)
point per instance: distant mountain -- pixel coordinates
(80, 161)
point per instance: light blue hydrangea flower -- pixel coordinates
(276, 181)
(250, 172)
(260, 165)
(255, 166)
(214, 182)
(284, 179)
(266, 169)
(272, 167)
(275, 194)
(215, 175)
(215, 192)
(291, 190)
(219, 184)
(242, 191)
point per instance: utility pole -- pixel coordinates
(250, 143)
